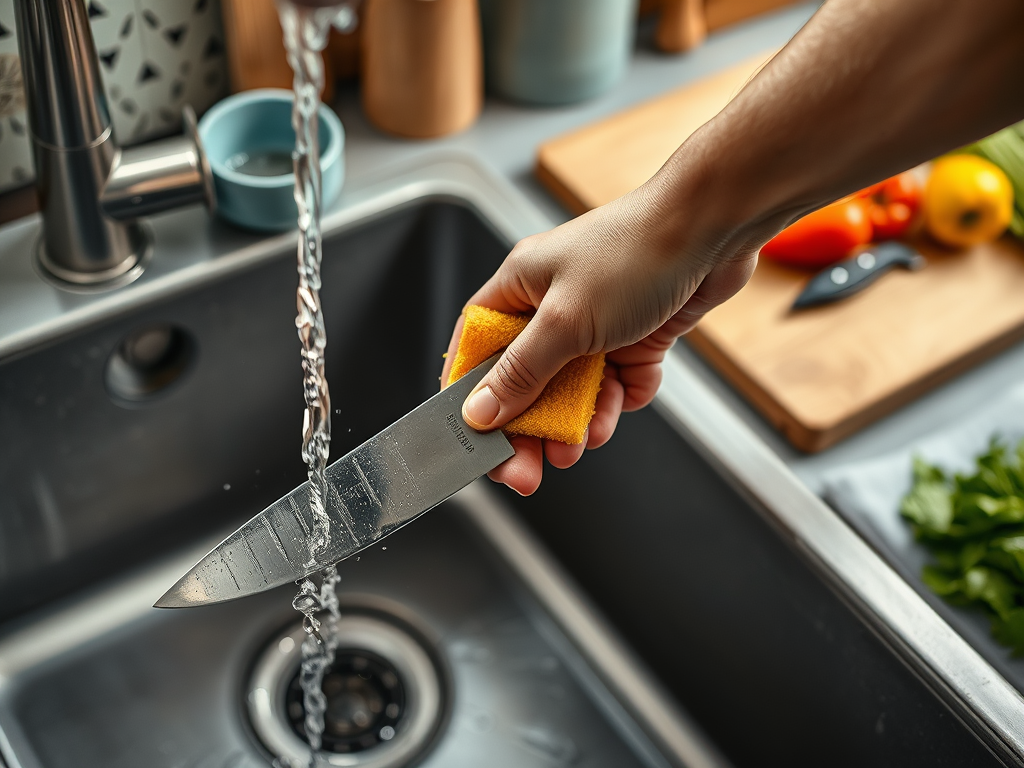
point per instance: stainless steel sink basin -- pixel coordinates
(138, 426)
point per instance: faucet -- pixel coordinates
(91, 191)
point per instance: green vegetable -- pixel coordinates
(1006, 149)
(973, 525)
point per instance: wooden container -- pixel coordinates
(422, 66)
(682, 25)
(255, 45)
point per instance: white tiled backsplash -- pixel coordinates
(155, 57)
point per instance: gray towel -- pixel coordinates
(872, 490)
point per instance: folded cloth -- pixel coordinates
(872, 490)
(563, 410)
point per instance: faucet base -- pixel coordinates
(140, 242)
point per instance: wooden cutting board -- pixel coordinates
(820, 374)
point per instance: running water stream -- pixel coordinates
(305, 35)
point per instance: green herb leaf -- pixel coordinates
(973, 525)
(929, 504)
(942, 582)
(991, 587)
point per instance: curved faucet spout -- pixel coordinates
(90, 191)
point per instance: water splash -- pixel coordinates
(305, 36)
(317, 650)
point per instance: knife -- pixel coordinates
(388, 481)
(856, 273)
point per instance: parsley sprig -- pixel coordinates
(973, 525)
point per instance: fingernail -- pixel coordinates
(481, 409)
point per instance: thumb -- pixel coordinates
(520, 374)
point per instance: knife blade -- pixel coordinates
(385, 483)
(856, 273)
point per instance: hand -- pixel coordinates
(621, 279)
(630, 277)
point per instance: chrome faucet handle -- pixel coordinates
(160, 176)
(91, 191)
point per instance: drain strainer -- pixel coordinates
(384, 697)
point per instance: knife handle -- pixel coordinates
(847, 277)
(563, 410)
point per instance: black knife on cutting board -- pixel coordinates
(847, 277)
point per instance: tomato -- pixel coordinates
(892, 205)
(823, 236)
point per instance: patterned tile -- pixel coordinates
(15, 147)
(155, 57)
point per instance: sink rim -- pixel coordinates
(190, 250)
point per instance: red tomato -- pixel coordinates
(822, 237)
(892, 205)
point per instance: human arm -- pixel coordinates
(866, 89)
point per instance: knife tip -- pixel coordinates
(186, 593)
(169, 601)
(173, 598)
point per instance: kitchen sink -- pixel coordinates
(670, 601)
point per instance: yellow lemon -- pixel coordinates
(967, 200)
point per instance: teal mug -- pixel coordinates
(556, 51)
(249, 140)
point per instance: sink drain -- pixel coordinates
(148, 361)
(384, 697)
(365, 703)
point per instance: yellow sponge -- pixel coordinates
(564, 408)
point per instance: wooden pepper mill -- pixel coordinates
(422, 66)
(682, 25)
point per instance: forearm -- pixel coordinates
(867, 89)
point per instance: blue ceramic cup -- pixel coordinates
(249, 141)
(556, 51)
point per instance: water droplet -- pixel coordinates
(286, 645)
(387, 733)
(305, 603)
(310, 626)
(383, 548)
(227, 486)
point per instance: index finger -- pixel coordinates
(453, 347)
